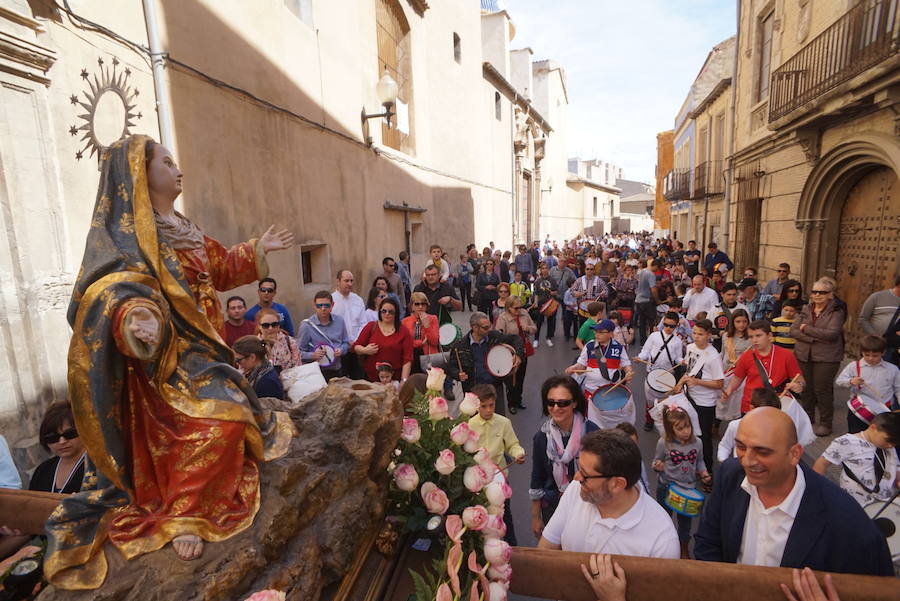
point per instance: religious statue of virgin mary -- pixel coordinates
(172, 429)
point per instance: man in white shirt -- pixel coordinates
(699, 298)
(351, 308)
(662, 351)
(769, 509)
(605, 510)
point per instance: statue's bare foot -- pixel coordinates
(188, 546)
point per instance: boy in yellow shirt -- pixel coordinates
(495, 431)
(496, 435)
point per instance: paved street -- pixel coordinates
(548, 361)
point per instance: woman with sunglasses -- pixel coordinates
(250, 357)
(819, 347)
(486, 286)
(283, 350)
(792, 289)
(382, 284)
(423, 328)
(385, 341)
(555, 447)
(64, 471)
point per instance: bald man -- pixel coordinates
(769, 509)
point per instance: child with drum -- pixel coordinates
(604, 369)
(679, 462)
(662, 353)
(870, 469)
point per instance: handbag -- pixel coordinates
(529, 348)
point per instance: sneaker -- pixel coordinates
(537, 343)
(549, 343)
(513, 409)
(822, 430)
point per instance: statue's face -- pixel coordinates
(163, 175)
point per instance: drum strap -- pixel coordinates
(665, 347)
(878, 462)
(322, 334)
(764, 375)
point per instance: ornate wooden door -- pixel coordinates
(868, 245)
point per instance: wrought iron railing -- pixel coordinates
(678, 184)
(700, 181)
(866, 35)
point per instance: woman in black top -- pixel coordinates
(555, 447)
(63, 472)
(486, 284)
(251, 359)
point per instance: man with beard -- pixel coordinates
(605, 509)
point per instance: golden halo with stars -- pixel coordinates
(109, 79)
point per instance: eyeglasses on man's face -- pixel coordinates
(820, 292)
(584, 475)
(323, 305)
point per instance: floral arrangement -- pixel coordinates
(441, 474)
(267, 595)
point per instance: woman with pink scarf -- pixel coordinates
(556, 446)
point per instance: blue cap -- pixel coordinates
(604, 324)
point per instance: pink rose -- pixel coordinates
(435, 380)
(500, 571)
(494, 527)
(446, 462)
(267, 595)
(482, 456)
(469, 404)
(461, 433)
(438, 409)
(498, 591)
(454, 526)
(411, 431)
(496, 551)
(405, 477)
(435, 499)
(471, 445)
(475, 517)
(474, 478)
(495, 493)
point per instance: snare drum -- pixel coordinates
(449, 333)
(328, 359)
(582, 308)
(499, 360)
(550, 307)
(865, 408)
(661, 381)
(606, 398)
(684, 500)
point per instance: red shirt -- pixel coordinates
(396, 349)
(233, 332)
(780, 365)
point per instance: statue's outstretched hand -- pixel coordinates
(273, 240)
(144, 325)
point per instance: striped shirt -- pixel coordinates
(781, 330)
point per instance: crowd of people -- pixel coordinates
(751, 364)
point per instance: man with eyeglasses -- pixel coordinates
(442, 298)
(268, 287)
(323, 329)
(468, 356)
(605, 509)
(774, 287)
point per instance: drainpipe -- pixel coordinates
(160, 82)
(729, 172)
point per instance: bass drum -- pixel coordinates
(886, 515)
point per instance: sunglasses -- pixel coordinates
(266, 326)
(819, 291)
(391, 265)
(387, 311)
(782, 271)
(322, 305)
(267, 290)
(794, 290)
(53, 437)
(420, 304)
(670, 325)
(562, 404)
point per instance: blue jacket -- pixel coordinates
(709, 262)
(831, 531)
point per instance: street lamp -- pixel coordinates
(386, 89)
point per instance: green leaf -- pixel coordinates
(423, 592)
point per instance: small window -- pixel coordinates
(498, 112)
(306, 266)
(457, 48)
(595, 206)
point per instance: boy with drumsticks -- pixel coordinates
(870, 377)
(662, 353)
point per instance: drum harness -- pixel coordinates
(665, 347)
(321, 333)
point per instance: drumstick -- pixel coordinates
(786, 391)
(503, 469)
(619, 383)
(458, 362)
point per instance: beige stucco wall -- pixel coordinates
(560, 218)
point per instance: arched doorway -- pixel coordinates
(867, 244)
(849, 212)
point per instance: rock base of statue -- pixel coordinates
(318, 504)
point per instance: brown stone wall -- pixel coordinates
(665, 161)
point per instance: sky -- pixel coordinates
(629, 65)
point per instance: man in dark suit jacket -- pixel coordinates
(829, 530)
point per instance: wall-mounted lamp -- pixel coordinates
(387, 90)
